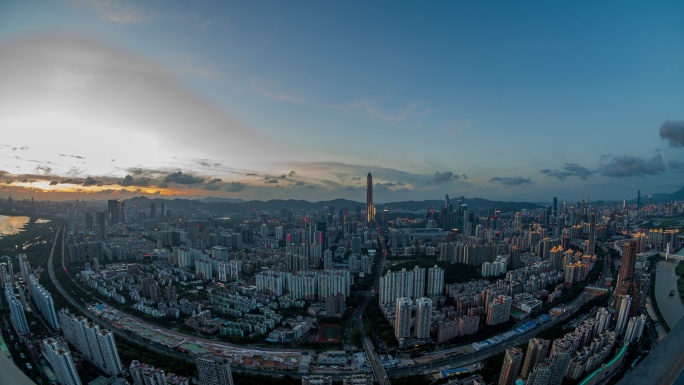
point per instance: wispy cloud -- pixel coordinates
(117, 11)
(368, 107)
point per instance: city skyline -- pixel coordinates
(522, 101)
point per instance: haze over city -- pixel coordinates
(508, 101)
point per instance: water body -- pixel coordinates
(12, 225)
(670, 307)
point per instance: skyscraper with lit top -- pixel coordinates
(370, 207)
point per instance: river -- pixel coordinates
(670, 307)
(12, 225)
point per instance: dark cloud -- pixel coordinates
(251, 174)
(299, 183)
(356, 178)
(179, 178)
(627, 166)
(465, 176)
(54, 183)
(673, 132)
(675, 165)
(72, 156)
(511, 180)
(271, 180)
(127, 181)
(235, 187)
(568, 170)
(213, 185)
(130, 181)
(89, 181)
(444, 177)
(291, 174)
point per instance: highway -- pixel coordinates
(376, 365)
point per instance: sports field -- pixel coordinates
(329, 333)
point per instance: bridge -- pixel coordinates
(674, 256)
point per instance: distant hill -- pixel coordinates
(219, 199)
(474, 205)
(226, 205)
(667, 197)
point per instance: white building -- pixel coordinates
(58, 356)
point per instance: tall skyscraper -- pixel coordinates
(511, 366)
(628, 283)
(423, 317)
(537, 349)
(370, 207)
(555, 206)
(213, 370)
(402, 324)
(58, 356)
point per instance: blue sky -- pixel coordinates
(259, 100)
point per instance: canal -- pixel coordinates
(670, 307)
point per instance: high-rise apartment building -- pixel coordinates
(402, 324)
(561, 353)
(404, 283)
(435, 285)
(58, 356)
(423, 317)
(591, 249)
(623, 311)
(213, 370)
(17, 314)
(96, 345)
(146, 374)
(541, 374)
(43, 299)
(511, 366)
(499, 310)
(537, 349)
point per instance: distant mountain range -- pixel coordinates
(667, 197)
(227, 205)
